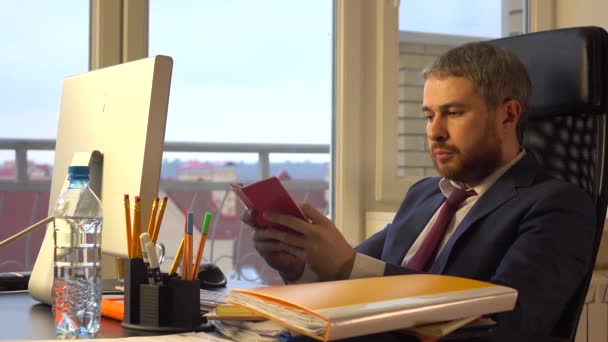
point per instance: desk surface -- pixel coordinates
(23, 318)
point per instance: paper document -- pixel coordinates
(211, 299)
(244, 331)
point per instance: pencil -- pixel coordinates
(201, 244)
(178, 257)
(128, 223)
(159, 220)
(136, 230)
(152, 217)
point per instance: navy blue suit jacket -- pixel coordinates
(529, 231)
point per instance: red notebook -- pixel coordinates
(267, 195)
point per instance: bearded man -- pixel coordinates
(501, 218)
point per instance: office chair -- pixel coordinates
(567, 124)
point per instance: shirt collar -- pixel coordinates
(447, 185)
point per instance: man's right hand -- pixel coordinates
(278, 255)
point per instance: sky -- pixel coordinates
(244, 70)
(476, 18)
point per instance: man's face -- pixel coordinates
(463, 136)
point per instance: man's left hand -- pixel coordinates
(323, 246)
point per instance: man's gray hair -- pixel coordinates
(497, 75)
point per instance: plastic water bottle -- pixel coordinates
(77, 234)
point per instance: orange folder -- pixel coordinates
(113, 308)
(355, 307)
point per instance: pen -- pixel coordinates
(128, 223)
(187, 258)
(178, 257)
(152, 216)
(201, 244)
(159, 220)
(154, 270)
(135, 245)
(145, 238)
(190, 242)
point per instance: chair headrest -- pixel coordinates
(565, 68)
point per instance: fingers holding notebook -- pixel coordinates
(288, 260)
(324, 247)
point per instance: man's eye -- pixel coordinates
(455, 113)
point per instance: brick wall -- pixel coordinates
(412, 155)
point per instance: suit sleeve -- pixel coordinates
(374, 246)
(549, 258)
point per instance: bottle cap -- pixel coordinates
(78, 172)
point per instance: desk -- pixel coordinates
(23, 318)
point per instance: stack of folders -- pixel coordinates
(470, 327)
(239, 323)
(348, 308)
(211, 299)
(252, 331)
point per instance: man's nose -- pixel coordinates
(436, 130)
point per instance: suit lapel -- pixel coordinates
(505, 188)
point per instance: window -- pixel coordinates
(248, 78)
(43, 43)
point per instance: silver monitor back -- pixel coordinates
(120, 111)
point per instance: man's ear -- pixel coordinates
(511, 113)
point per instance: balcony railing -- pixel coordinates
(238, 257)
(22, 146)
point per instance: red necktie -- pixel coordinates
(427, 250)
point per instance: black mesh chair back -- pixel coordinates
(567, 126)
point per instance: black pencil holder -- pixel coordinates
(172, 307)
(135, 275)
(186, 303)
(154, 301)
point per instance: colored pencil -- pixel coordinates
(187, 258)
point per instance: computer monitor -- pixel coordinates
(120, 111)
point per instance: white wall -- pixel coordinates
(569, 13)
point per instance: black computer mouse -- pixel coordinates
(211, 276)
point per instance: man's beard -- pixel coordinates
(472, 166)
